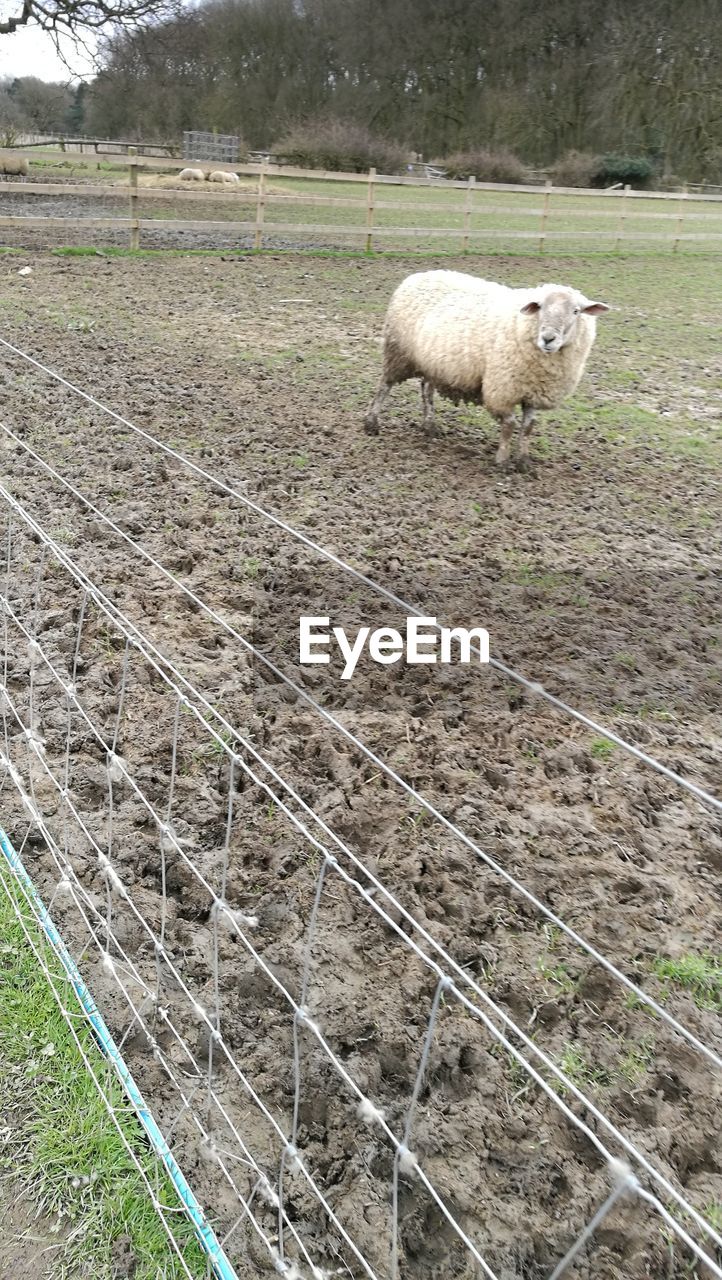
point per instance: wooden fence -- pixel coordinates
(687, 217)
(94, 146)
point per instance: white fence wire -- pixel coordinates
(60, 973)
(520, 888)
(518, 677)
(156, 992)
(143, 863)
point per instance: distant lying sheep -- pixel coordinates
(14, 166)
(221, 175)
(192, 175)
(474, 340)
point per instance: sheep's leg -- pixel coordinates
(528, 420)
(427, 400)
(508, 425)
(371, 421)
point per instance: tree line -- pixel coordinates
(537, 77)
(30, 105)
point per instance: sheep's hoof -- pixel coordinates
(371, 425)
(503, 461)
(524, 463)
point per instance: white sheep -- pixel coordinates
(192, 175)
(14, 166)
(474, 340)
(222, 175)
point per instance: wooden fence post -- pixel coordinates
(133, 188)
(260, 207)
(680, 218)
(370, 210)
(622, 218)
(545, 215)
(467, 211)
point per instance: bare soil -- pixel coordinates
(596, 574)
(29, 1242)
(114, 204)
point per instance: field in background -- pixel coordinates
(314, 211)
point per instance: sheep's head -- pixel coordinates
(558, 310)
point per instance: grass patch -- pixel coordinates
(713, 1213)
(699, 974)
(65, 1150)
(601, 749)
(635, 1061)
(117, 251)
(558, 977)
(579, 1071)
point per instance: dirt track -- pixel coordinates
(596, 574)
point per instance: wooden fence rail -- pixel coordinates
(400, 180)
(208, 193)
(550, 218)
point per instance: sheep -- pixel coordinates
(222, 175)
(482, 342)
(14, 166)
(192, 175)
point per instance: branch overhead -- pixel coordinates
(68, 16)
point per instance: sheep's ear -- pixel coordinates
(594, 308)
(531, 308)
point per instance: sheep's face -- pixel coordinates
(558, 312)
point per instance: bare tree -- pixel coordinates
(60, 17)
(42, 107)
(638, 78)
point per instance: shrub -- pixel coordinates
(485, 166)
(575, 169)
(636, 171)
(341, 147)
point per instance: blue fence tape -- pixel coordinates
(207, 1239)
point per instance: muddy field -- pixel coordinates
(23, 1234)
(114, 204)
(597, 574)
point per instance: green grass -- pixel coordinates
(499, 219)
(558, 977)
(601, 748)
(65, 1151)
(431, 219)
(699, 974)
(635, 1061)
(579, 1071)
(713, 1213)
(628, 1068)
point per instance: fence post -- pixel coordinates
(545, 215)
(680, 218)
(467, 211)
(260, 207)
(622, 217)
(133, 188)
(370, 210)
